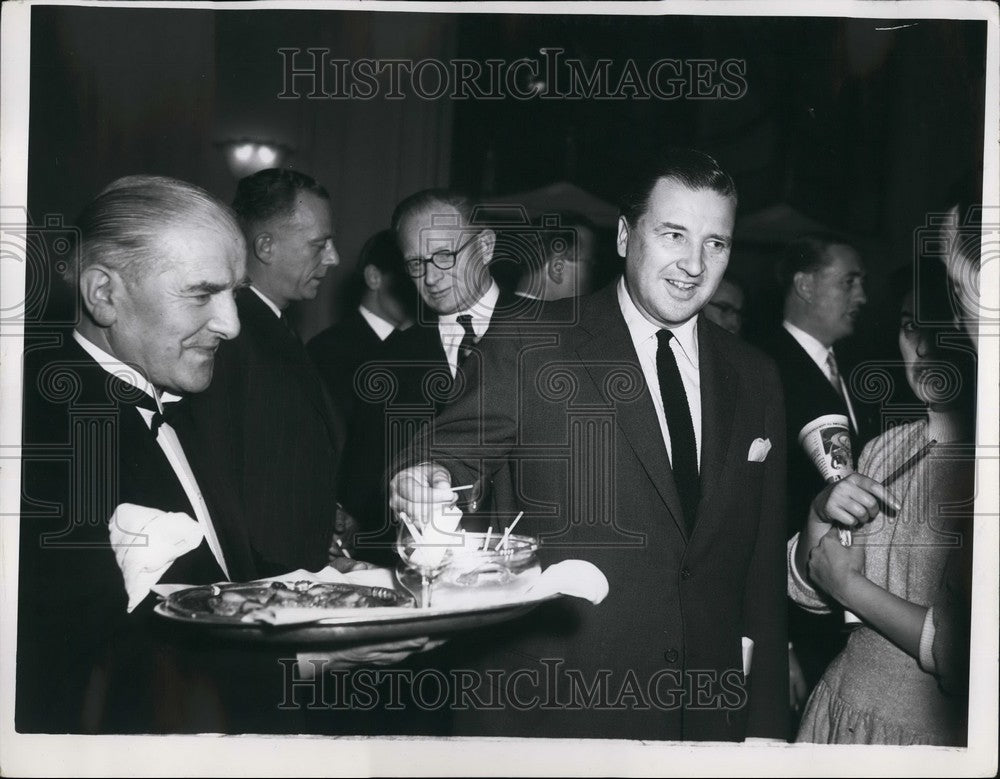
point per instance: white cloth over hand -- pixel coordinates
(146, 541)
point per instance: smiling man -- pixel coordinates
(267, 414)
(112, 501)
(650, 442)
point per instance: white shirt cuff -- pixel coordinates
(799, 590)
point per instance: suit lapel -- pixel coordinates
(637, 420)
(719, 393)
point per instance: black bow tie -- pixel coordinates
(169, 413)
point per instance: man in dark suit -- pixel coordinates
(651, 443)
(267, 412)
(822, 277)
(447, 253)
(108, 487)
(564, 269)
(385, 306)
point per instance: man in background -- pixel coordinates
(822, 279)
(385, 308)
(385, 305)
(564, 269)
(726, 306)
(267, 412)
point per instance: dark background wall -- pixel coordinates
(842, 124)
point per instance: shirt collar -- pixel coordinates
(267, 301)
(382, 328)
(124, 372)
(481, 311)
(810, 343)
(642, 329)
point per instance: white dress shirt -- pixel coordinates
(166, 437)
(684, 345)
(267, 301)
(821, 355)
(382, 328)
(452, 332)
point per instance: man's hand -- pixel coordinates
(373, 654)
(416, 490)
(834, 568)
(345, 528)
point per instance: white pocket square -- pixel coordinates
(758, 450)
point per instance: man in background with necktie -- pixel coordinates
(822, 278)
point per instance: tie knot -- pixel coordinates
(663, 337)
(465, 320)
(831, 363)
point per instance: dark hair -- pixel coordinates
(122, 227)
(382, 251)
(806, 254)
(427, 198)
(691, 167)
(271, 193)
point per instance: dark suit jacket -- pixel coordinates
(402, 390)
(808, 394)
(87, 450)
(567, 406)
(337, 353)
(268, 416)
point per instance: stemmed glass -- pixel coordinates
(425, 553)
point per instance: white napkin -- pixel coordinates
(758, 450)
(146, 541)
(438, 536)
(572, 577)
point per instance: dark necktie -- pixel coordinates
(684, 450)
(468, 340)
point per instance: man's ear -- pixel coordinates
(554, 270)
(622, 240)
(101, 289)
(487, 241)
(263, 246)
(802, 284)
(373, 277)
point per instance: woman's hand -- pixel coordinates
(835, 569)
(851, 501)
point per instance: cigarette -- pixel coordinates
(489, 534)
(507, 532)
(463, 487)
(343, 551)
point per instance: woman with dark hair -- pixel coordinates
(902, 678)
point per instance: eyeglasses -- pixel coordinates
(442, 259)
(725, 308)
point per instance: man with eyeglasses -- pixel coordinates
(726, 306)
(448, 259)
